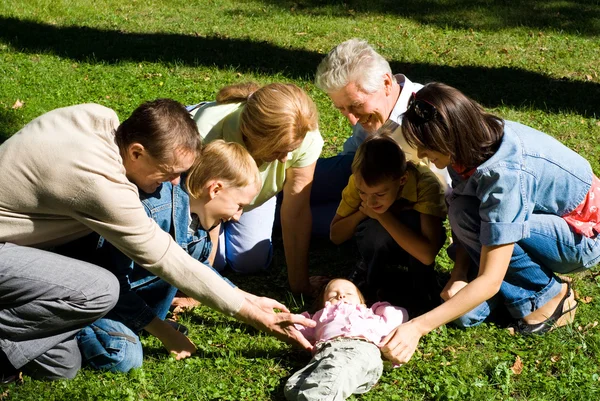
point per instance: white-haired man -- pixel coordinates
(361, 85)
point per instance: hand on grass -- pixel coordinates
(178, 344)
(183, 304)
(174, 341)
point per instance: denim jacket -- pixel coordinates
(530, 173)
(169, 207)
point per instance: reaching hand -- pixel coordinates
(451, 288)
(400, 345)
(268, 304)
(280, 325)
(177, 343)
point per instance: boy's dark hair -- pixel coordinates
(455, 125)
(379, 159)
(162, 127)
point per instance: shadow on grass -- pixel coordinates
(492, 87)
(577, 17)
(9, 124)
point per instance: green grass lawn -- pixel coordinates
(537, 62)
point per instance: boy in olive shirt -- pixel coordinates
(395, 210)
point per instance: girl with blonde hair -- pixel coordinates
(278, 125)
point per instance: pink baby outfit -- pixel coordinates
(347, 358)
(353, 321)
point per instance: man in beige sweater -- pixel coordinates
(76, 170)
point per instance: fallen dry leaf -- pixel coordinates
(18, 104)
(586, 299)
(555, 358)
(517, 367)
(588, 326)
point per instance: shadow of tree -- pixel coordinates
(577, 17)
(8, 124)
(491, 86)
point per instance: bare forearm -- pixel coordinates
(159, 329)
(343, 229)
(493, 266)
(296, 228)
(465, 300)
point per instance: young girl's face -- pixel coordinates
(440, 160)
(340, 290)
(381, 196)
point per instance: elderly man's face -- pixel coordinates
(371, 110)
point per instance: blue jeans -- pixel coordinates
(245, 245)
(530, 281)
(110, 345)
(330, 178)
(143, 296)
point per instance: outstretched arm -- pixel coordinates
(401, 343)
(280, 325)
(174, 341)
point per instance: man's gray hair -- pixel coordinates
(353, 61)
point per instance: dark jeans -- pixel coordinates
(392, 274)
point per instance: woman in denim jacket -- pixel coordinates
(523, 208)
(221, 182)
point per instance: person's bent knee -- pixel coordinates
(474, 317)
(370, 234)
(467, 321)
(102, 295)
(110, 345)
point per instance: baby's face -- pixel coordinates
(342, 291)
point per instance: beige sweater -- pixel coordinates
(62, 177)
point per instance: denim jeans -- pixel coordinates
(246, 245)
(530, 282)
(110, 345)
(143, 296)
(330, 178)
(393, 274)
